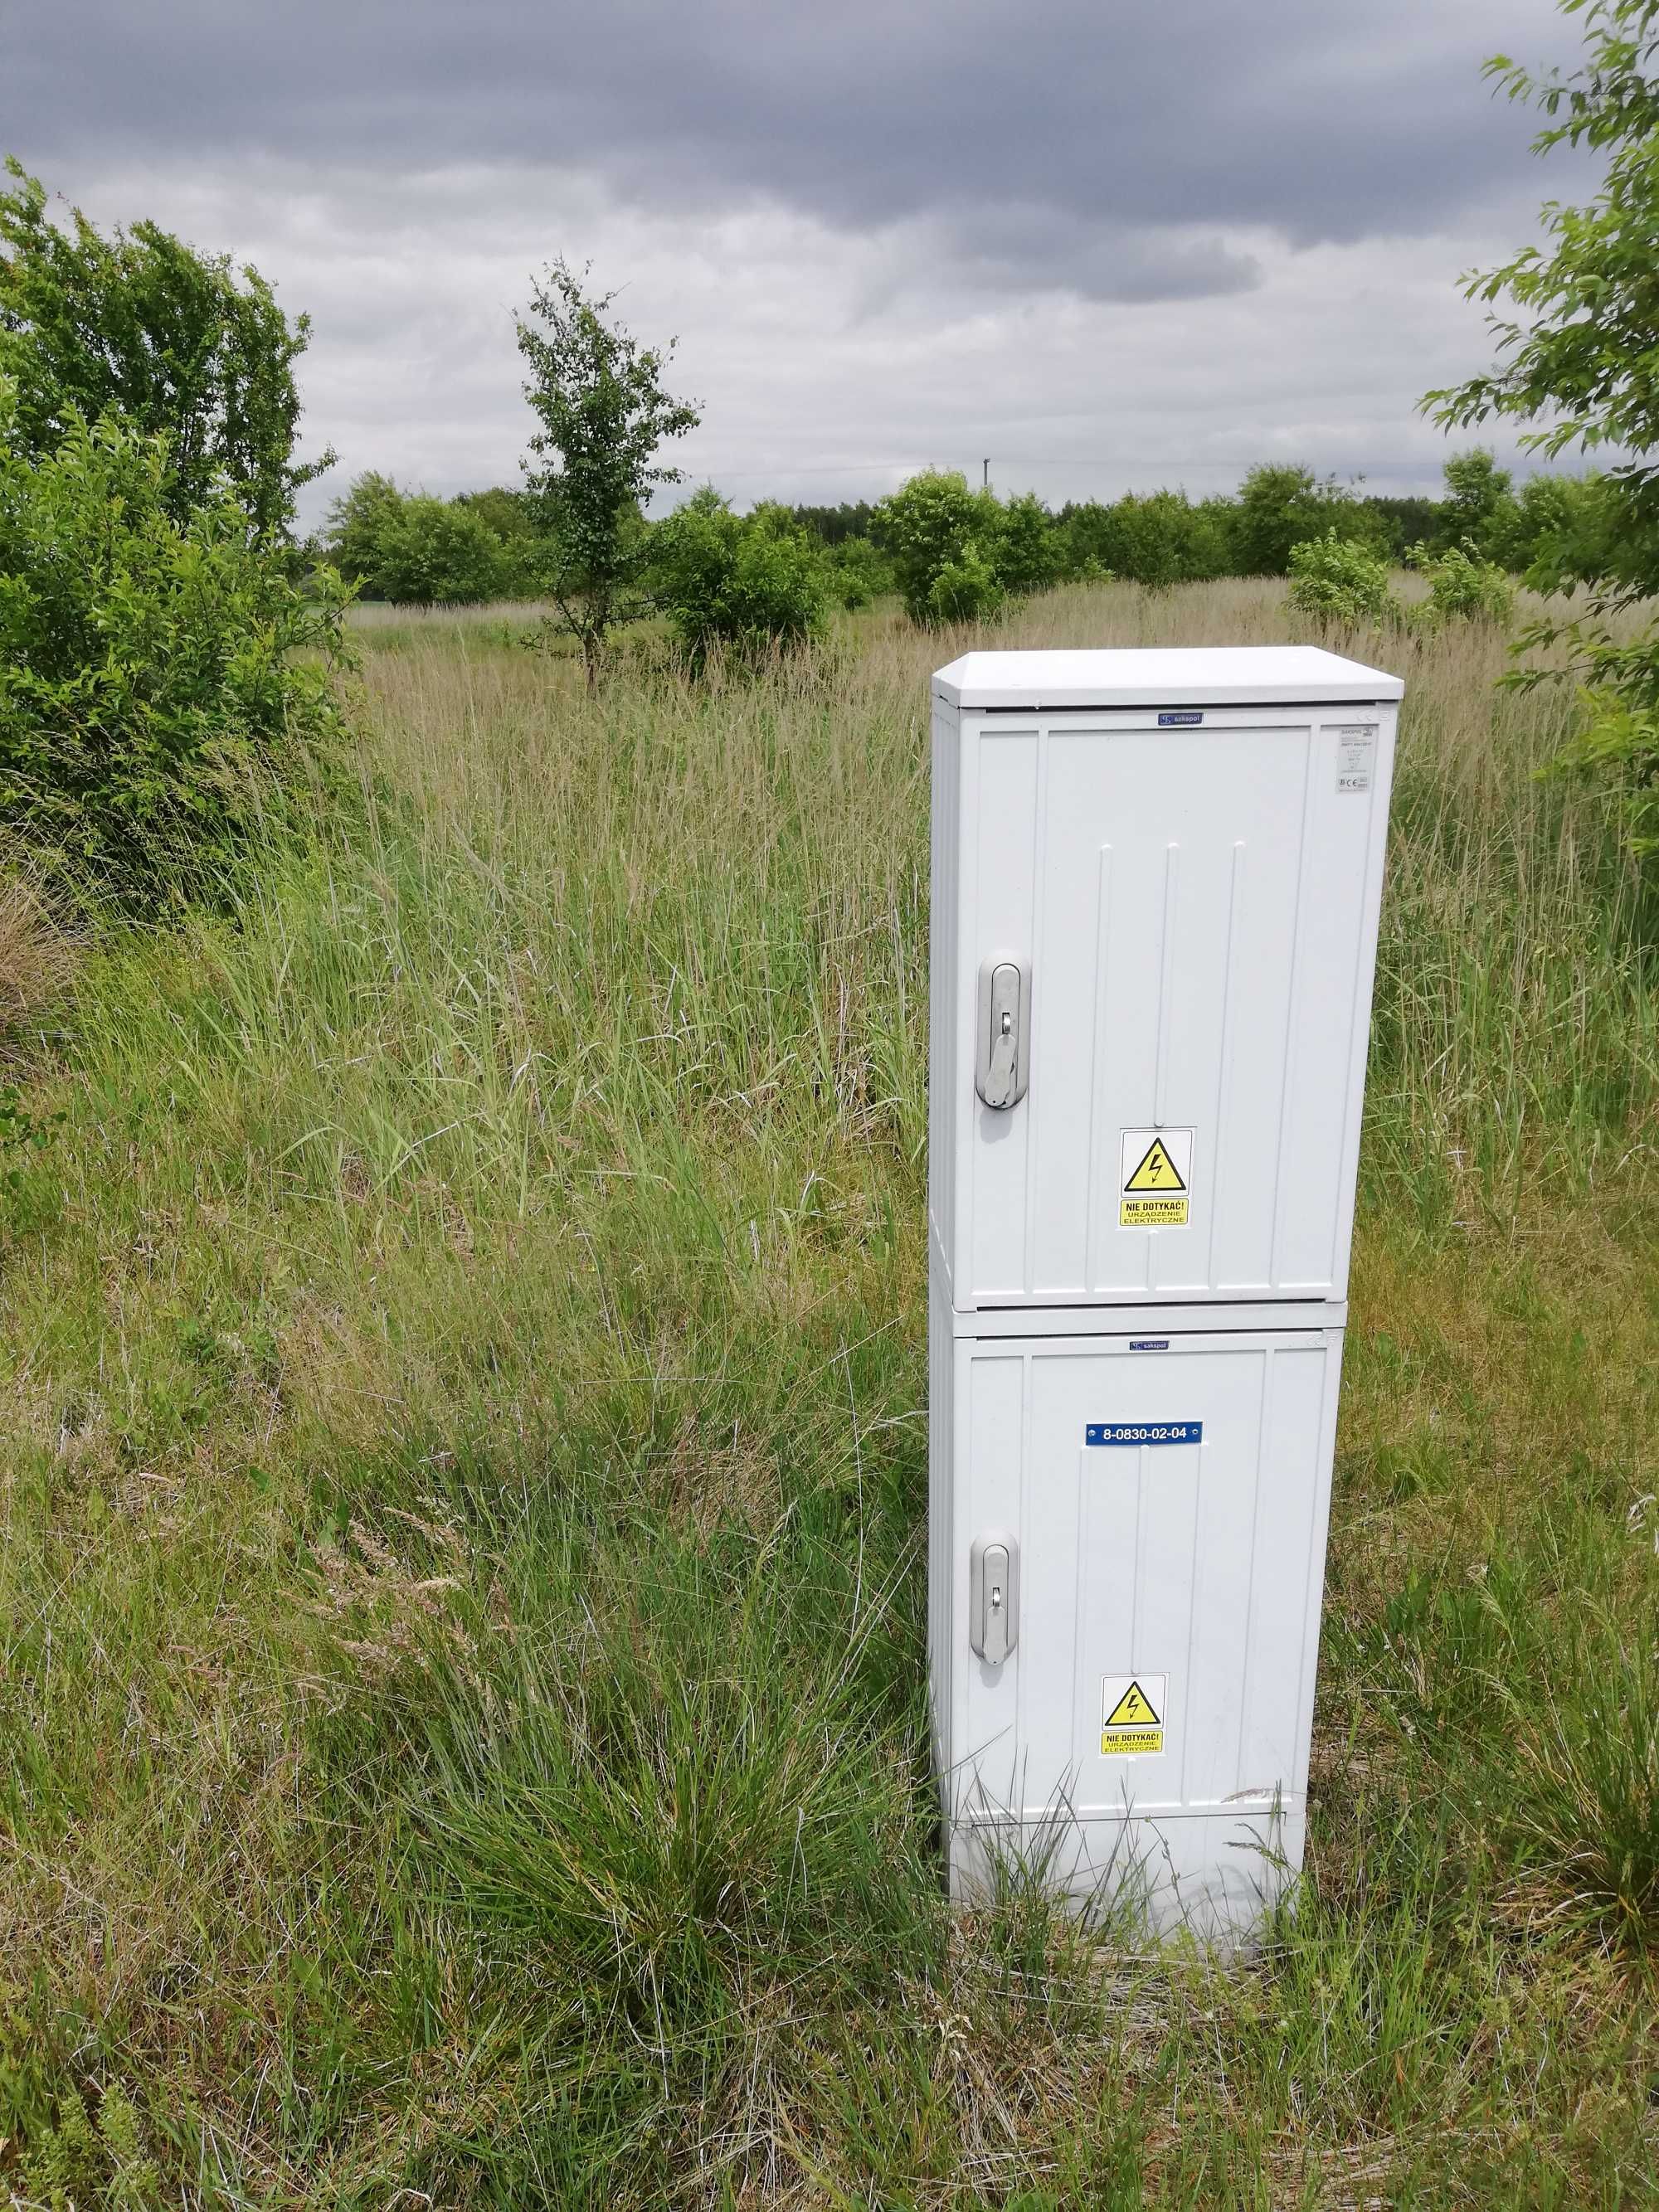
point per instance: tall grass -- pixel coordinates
(460, 1645)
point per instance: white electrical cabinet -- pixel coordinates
(1155, 885)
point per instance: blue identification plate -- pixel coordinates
(1179, 721)
(1142, 1432)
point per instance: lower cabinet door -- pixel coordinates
(1143, 1721)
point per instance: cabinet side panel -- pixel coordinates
(1365, 988)
(941, 1519)
(943, 903)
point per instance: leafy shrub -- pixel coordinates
(1026, 552)
(858, 574)
(943, 540)
(419, 552)
(1462, 587)
(152, 709)
(967, 589)
(751, 582)
(1620, 741)
(434, 554)
(1561, 532)
(1157, 539)
(1281, 505)
(175, 342)
(1334, 578)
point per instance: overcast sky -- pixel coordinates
(1108, 247)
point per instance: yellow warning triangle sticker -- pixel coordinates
(1133, 1710)
(1157, 1170)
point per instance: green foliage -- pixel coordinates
(966, 589)
(1462, 587)
(1563, 531)
(1576, 356)
(603, 411)
(1477, 490)
(358, 522)
(439, 554)
(849, 522)
(510, 515)
(747, 581)
(1400, 521)
(178, 344)
(76, 2163)
(415, 550)
(1157, 539)
(1026, 555)
(160, 681)
(1282, 504)
(1338, 581)
(1555, 527)
(858, 574)
(1619, 742)
(943, 541)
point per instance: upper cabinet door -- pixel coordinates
(1192, 913)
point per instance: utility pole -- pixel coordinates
(985, 473)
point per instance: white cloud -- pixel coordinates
(829, 362)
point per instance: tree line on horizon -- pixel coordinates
(409, 548)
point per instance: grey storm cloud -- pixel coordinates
(1072, 141)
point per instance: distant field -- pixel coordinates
(461, 1533)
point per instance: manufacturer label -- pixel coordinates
(1149, 1344)
(1131, 1433)
(1356, 757)
(1155, 1178)
(1131, 1708)
(1179, 721)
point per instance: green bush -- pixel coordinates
(858, 574)
(943, 541)
(433, 554)
(153, 713)
(1462, 587)
(175, 342)
(967, 589)
(746, 581)
(1281, 505)
(419, 552)
(1338, 581)
(1026, 552)
(1157, 539)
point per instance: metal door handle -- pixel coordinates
(994, 1597)
(1005, 1026)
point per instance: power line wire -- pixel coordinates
(1003, 461)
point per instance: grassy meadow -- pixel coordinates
(462, 1503)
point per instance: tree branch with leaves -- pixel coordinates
(1578, 358)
